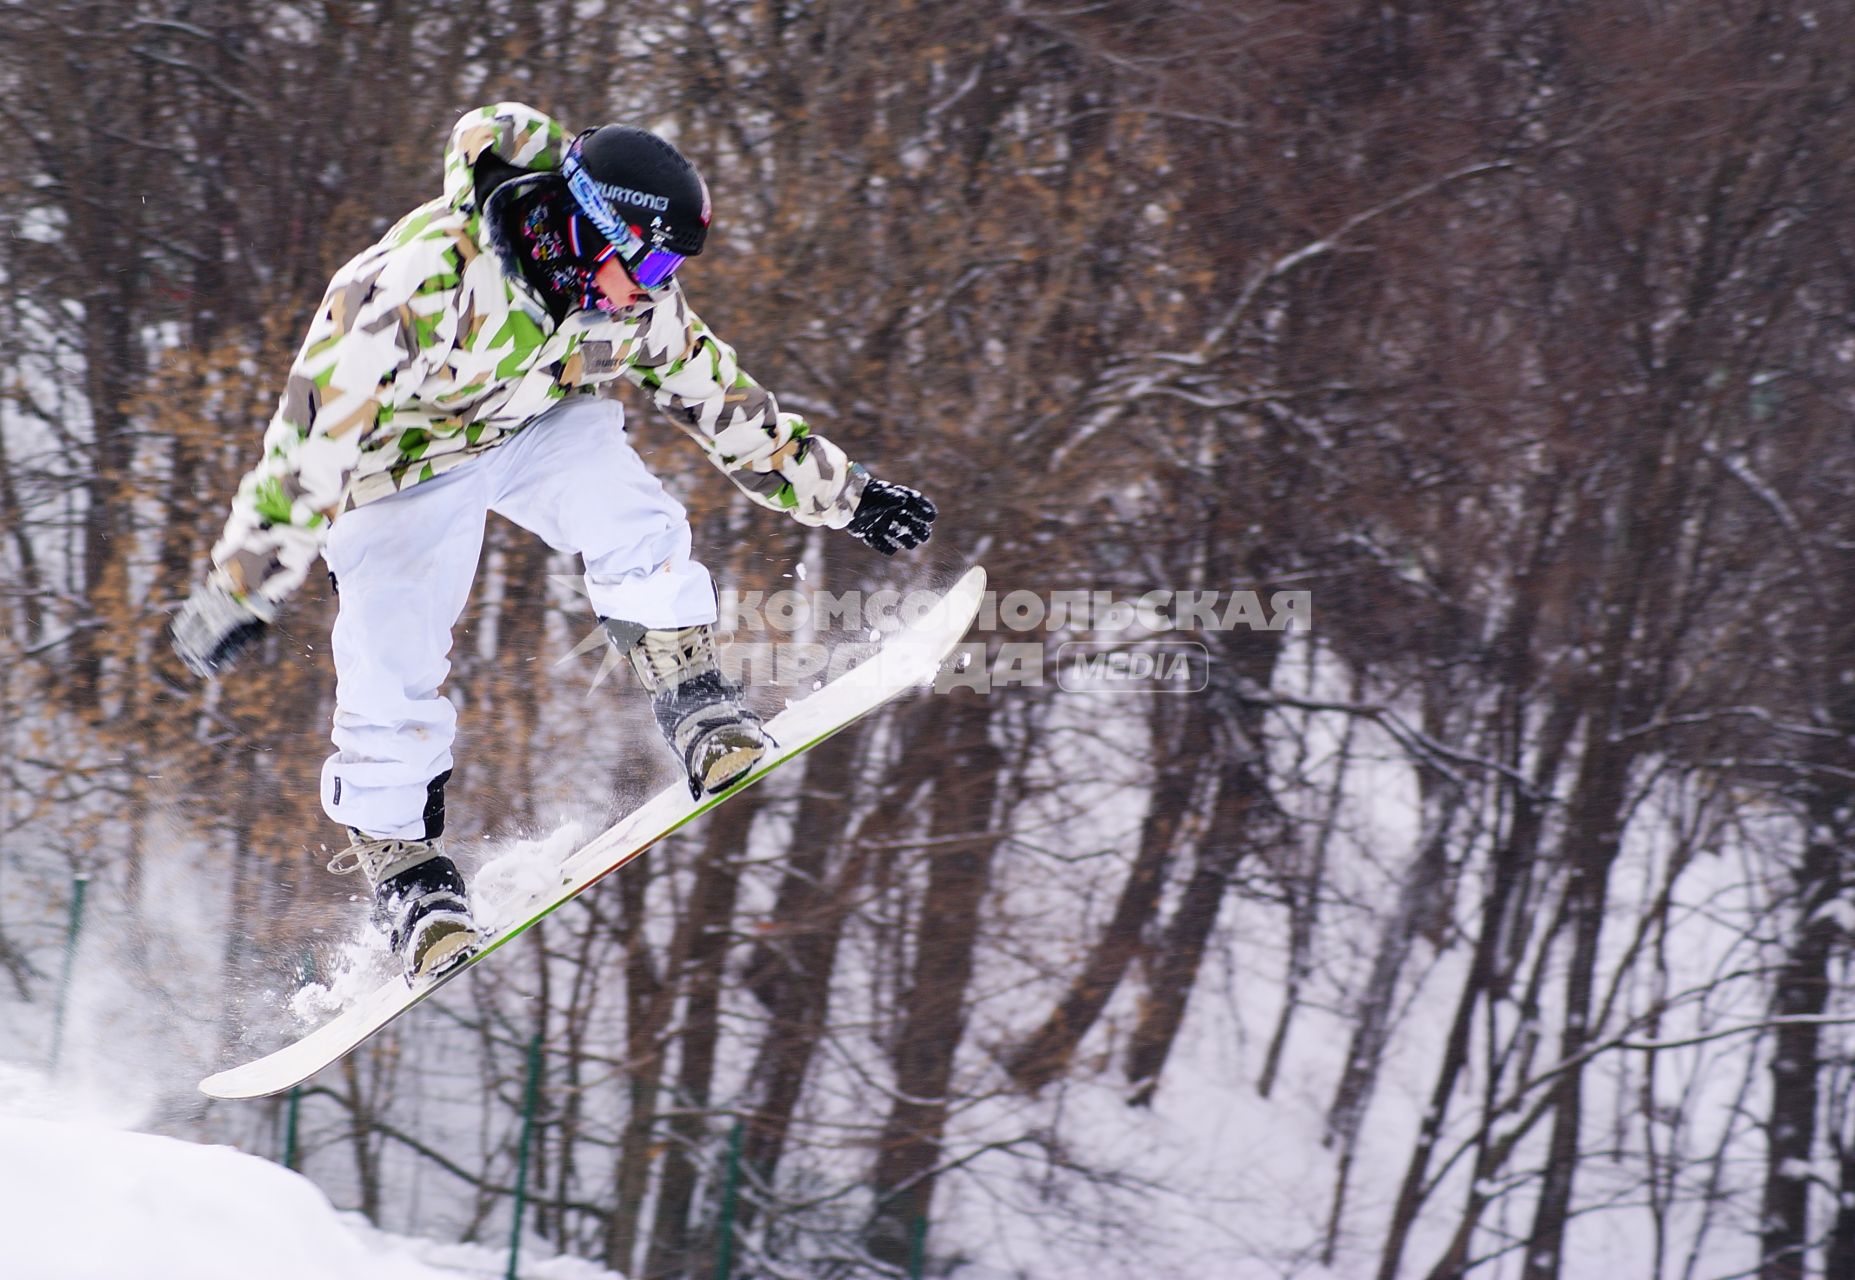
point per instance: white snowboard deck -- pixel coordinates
(906, 659)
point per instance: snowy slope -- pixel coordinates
(80, 1200)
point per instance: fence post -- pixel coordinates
(917, 1247)
(530, 1097)
(293, 1107)
(730, 1189)
(80, 883)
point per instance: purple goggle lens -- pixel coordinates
(653, 268)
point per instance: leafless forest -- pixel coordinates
(1498, 925)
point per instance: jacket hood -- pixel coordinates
(511, 132)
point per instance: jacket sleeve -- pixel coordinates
(362, 358)
(774, 457)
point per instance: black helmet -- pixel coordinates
(627, 177)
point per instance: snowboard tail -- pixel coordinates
(905, 660)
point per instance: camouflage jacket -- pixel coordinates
(426, 352)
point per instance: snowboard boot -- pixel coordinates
(419, 899)
(715, 738)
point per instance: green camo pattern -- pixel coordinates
(425, 352)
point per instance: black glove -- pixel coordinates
(215, 626)
(890, 517)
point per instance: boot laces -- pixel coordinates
(665, 658)
(380, 859)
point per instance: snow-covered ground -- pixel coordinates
(1212, 1180)
(82, 1198)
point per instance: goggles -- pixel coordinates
(647, 262)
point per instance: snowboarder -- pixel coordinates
(465, 364)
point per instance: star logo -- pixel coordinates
(594, 639)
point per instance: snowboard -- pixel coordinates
(907, 658)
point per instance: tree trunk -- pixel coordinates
(1504, 874)
(933, 1008)
(643, 1071)
(1592, 839)
(1803, 988)
(1242, 794)
(718, 881)
(810, 920)
(1179, 765)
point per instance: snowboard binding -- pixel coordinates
(420, 900)
(714, 736)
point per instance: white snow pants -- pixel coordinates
(404, 566)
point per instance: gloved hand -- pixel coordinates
(890, 517)
(215, 626)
